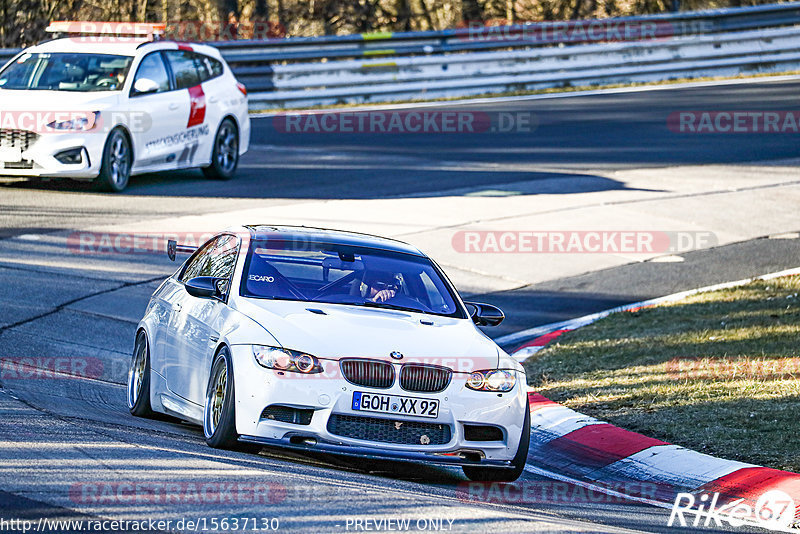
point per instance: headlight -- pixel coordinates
(76, 124)
(496, 380)
(476, 381)
(286, 360)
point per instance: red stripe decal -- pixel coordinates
(537, 402)
(602, 445)
(197, 112)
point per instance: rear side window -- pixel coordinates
(216, 67)
(208, 67)
(183, 68)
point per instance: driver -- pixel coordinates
(113, 79)
(118, 77)
(380, 286)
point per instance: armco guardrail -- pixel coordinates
(480, 60)
(381, 67)
(466, 74)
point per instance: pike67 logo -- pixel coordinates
(774, 510)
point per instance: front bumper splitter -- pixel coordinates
(313, 444)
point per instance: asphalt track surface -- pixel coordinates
(61, 435)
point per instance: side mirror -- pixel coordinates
(485, 314)
(145, 85)
(207, 287)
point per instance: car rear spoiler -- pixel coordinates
(173, 248)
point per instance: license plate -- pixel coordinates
(10, 154)
(415, 406)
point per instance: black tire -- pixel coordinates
(225, 154)
(139, 378)
(219, 413)
(115, 170)
(505, 474)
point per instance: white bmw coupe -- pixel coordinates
(334, 342)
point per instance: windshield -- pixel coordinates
(66, 72)
(340, 274)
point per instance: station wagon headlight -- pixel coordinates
(80, 123)
(286, 360)
(495, 380)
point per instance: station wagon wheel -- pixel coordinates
(219, 419)
(139, 378)
(115, 170)
(225, 154)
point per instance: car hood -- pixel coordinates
(55, 101)
(334, 331)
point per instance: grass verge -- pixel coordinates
(717, 372)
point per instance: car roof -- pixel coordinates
(123, 46)
(334, 237)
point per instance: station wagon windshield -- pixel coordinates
(339, 274)
(66, 72)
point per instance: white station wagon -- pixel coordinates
(106, 108)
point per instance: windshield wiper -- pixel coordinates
(371, 304)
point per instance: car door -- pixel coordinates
(163, 304)
(216, 89)
(174, 355)
(158, 115)
(198, 321)
(187, 76)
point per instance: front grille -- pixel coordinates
(369, 373)
(389, 430)
(17, 138)
(24, 164)
(287, 414)
(424, 378)
(482, 433)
